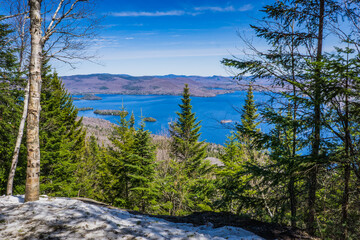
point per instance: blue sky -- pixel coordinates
(142, 37)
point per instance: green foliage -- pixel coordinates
(315, 133)
(10, 107)
(62, 139)
(230, 183)
(128, 170)
(249, 116)
(247, 131)
(88, 174)
(185, 133)
(237, 183)
(188, 173)
(143, 174)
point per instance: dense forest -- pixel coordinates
(303, 172)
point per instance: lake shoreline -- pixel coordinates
(209, 110)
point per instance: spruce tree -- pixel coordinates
(143, 176)
(248, 130)
(117, 166)
(62, 138)
(10, 105)
(185, 134)
(192, 173)
(295, 33)
(236, 181)
(250, 115)
(130, 166)
(229, 184)
(87, 172)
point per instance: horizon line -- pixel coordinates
(155, 75)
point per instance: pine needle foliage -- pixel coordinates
(10, 107)
(62, 139)
(128, 171)
(185, 134)
(249, 116)
(190, 173)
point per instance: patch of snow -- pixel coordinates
(65, 218)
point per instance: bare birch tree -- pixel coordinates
(21, 37)
(64, 24)
(63, 32)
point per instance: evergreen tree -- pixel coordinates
(236, 181)
(342, 70)
(247, 131)
(10, 105)
(117, 165)
(87, 172)
(143, 162)
(130, 166)
(295, 33)
(249, 116)
(62, 139)
(230, 184)
(192, 174)
(185, 134)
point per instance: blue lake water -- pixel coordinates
(209, 110)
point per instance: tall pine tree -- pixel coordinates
(185, 134)
(191, 171)
(248, 130)
(62, 139)
(10, 105)
(128, 171)
(144, 187)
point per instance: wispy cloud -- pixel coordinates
(245, 8)
(170, 53)
(216, 9)
(148, 14)
(195, 11)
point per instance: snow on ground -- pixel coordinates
(64, 218)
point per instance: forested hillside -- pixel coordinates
(144, 85)
(303, 173)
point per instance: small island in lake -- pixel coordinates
(88, 97)
(149, 119)
(109, 112)
(85, 109)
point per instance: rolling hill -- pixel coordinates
(146, 85)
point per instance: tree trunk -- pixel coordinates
(292, 194)
(292, 188)
(345, 201)
(33, 145)
(317, 126)
(347, 173)
(9, 190)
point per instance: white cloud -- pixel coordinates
(166, 53)
(216, 9)
(196, 11)
(148, 14)
(245, 8)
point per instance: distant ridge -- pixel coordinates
(171, 84)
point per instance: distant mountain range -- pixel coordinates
(146, 85)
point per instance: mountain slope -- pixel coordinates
(144, 85)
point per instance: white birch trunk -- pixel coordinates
(9, 189)
(33, 145)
